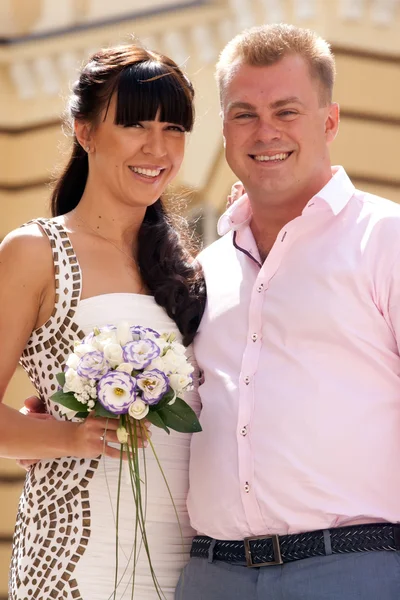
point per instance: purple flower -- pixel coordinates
(93, 365)
(154, 384)
(116, 391)
(141, 332)
(140, 353)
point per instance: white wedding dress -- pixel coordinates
(65, 542)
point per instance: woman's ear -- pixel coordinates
(83, 133)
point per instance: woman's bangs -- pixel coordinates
(145, 88)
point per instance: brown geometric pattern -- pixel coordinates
(53, 522)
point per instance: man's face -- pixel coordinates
(277, 129)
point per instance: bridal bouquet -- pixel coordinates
(130, 373)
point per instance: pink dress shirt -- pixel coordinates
(301, 392)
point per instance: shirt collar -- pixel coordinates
(336, 194)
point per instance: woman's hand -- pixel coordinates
(237, 191)
(93, 435)
(34, 408)
(34, 405)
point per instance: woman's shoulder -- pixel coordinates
(27, 245)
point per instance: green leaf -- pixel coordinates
(68, 400)
(154, 417)
(164, 402)
(179, 417)
(81, 415)
(61, 379)
(100, 411)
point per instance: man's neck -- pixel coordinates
(265, 228)
(270, 217)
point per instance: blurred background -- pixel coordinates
(43, 42)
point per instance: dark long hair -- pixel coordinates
(145, 82)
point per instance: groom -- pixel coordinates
(294, 481)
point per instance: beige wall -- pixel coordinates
(34, 82)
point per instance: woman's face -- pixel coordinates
(136, 163)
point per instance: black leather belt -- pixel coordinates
(268, 550)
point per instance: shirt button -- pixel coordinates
(247, 380)
(246, 488)
(260, 287)
(254, 337)
(243, 431)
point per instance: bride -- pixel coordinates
(110, 253)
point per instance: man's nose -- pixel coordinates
(267, 131)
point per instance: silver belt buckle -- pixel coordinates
(276, 550)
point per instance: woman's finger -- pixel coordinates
(103, 423)
(33, 404)
(115, 453)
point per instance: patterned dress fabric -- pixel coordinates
(65, 535)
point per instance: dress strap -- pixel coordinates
(68, 283)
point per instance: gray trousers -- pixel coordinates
(358, 576)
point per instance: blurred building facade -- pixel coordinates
(42, 43)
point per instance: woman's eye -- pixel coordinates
(133, 125)
(176, 128)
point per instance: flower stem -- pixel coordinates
(117, 515)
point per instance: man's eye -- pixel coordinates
(244, 116)
(287, 113)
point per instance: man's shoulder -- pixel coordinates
(379, 218)
(217, 250)
(378, 206)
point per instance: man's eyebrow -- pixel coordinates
(239, 104)
(284, 101)
(277, 104)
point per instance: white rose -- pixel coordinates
(82, 349)
(124, 334)
(73, 361)
(176, 363)
(186, 368)
(73, 383)
(157, 363)
(179, 382)
(138, 409)
(113, 353)
(122, 435)
(178, 348)
(171, 361)
(161, 343)
(125, 368)
(102, 339)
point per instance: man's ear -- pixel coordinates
(332, 122)
(83, 133)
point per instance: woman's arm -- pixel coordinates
(26, 286)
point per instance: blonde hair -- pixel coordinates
(265, 45)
